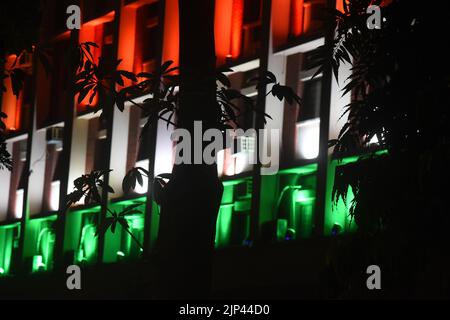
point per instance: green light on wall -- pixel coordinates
(303, 170)
(9, 236)
(43, 261)
(39, 243)
(303, 212)
(223, 225)
(87, 251)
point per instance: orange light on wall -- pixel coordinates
(340, 5)
(281, 10)
(127, 39)
(171, 45)
(222, 29)
(306, 17)
(297, 17)
(236, 28)
(9, 100)
(10, 104)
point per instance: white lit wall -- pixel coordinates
(5, 178)
(119, 146)
(78, 152)
(164, 150)
(54, 195)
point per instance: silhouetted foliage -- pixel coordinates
(400, 87)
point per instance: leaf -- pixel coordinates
(285, 92)
(158, 186)
(164, 67)
(83, 93)
(143, 170)
(145, 75)
(17, 80)
(139, 178)
(124, 223)
(89, 43)
(130, 179)
(131, 208)
(104, 226)
(128, 75)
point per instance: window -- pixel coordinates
(311, 100)
(54, 112)
(252, 11)
(108, 40)
(309, 88)
(241, 81)
(146, 37)
(97, 146)
(238, 159)
(251, 27)
(101, 146)
(301, 124)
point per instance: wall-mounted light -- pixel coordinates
(304, 196)
(120, 253)
(336, 229)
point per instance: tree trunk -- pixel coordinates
(192, 197)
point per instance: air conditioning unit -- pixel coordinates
(243, 144)
(55, 135)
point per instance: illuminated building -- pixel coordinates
(29, 235)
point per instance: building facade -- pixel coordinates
(293, 204)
